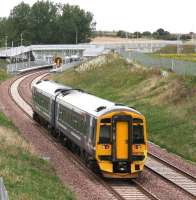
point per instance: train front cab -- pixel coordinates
(121, 144)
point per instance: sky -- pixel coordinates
(175, 16)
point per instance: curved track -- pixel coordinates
(118, 189)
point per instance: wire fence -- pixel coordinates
(148, 60)
(14, 67)
(3, 191)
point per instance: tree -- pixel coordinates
(43, 20)
(137, 34)
(121, 34)
(160, 32)
(76, 25)
(146, 34)
(19, 22)
(47, 23)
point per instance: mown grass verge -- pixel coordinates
(167, 102)
(26, 176)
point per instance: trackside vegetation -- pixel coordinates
(167, 100)
(25, 174)
(3, 73)
(187, 52)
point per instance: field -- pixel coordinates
(172, 49)
(187, 53)
(25, 174)
(184, 57)
(166, 101)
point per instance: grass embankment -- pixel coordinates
(26, 176)
(3, 73)
(167, 102)
(187, 53)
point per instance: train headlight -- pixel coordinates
(138, 146)
(106, 146)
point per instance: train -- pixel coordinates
(110, 137)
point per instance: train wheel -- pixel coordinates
(92, 165)
(36, 117)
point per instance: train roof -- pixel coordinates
(91, 104)
(79, 100)
(49, 87)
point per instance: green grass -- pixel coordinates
(167, 102)
(26, 176)
(184, 57)
(3, 75)
(4, 121)
(172, 49)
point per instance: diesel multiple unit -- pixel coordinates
(109, 136)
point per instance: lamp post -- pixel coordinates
(21, 39)
(6, 42)
(76, 35)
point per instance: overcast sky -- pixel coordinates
(176, 16)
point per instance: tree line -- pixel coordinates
(46, 23)
(158, 34)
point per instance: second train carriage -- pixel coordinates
(110, 135)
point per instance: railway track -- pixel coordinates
(118, 189)
(130, 190)
(171, 173)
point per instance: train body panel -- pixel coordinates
(120, 152)
(112, 135)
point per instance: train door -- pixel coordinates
(121, 129)
(121, 140)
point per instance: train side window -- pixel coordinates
(105, 134)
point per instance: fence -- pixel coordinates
(3, 191)
(148, 60)
(14, 67)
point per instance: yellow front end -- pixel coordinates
(120, 151)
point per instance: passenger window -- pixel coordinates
(105, 134)
(138, 134)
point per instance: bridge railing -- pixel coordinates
(14, 67)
